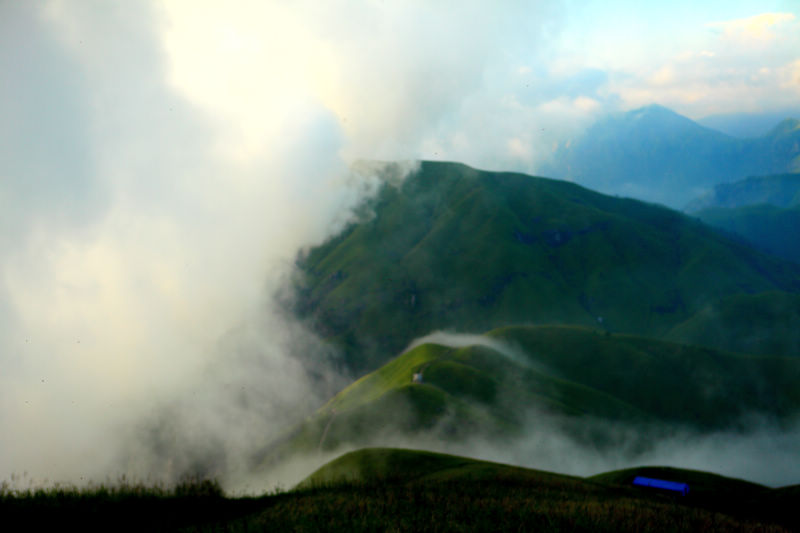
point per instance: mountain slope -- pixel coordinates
(655, 154)
(376, 489)
(455, 248)
(763, 211)
(556, 375)
(765, 323)
(772, 229)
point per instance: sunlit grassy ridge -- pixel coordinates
(573, 373)
(457, 248)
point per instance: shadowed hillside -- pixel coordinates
(762, 211)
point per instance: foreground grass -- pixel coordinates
(472, 505)
(121, 506)
(462, 505)
(408, 490)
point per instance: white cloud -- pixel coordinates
(743, 65)
(756, 29)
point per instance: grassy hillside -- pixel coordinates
(762, 211)
(392, 465)
(410, 490)
(492, 388)
(701, 484)
(417, 490)
(771, 229)
(455, 248)
(753, 323)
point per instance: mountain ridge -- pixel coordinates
(455, 247)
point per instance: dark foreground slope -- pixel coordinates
(455, 248)
(407, 490)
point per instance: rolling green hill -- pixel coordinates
(496, 386)
(771, 320)
(393, 465)
(422, 490)
(456, 248)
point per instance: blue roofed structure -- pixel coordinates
(672, 486)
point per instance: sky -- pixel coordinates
(161, 163)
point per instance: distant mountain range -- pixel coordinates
(657, 155)
(454, 248)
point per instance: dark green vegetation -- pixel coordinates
(762, 211)
(772, 229)
(655, 154)
(513, 375)
(408, 490)
(772, 324)
(454, 248)
(118, 507)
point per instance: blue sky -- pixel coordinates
(162, 162)
(713, 45)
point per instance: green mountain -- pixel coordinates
(657, 155)
(565, 375)
(771, 319)
(454, 248)
(772, 229)
(763, 211)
